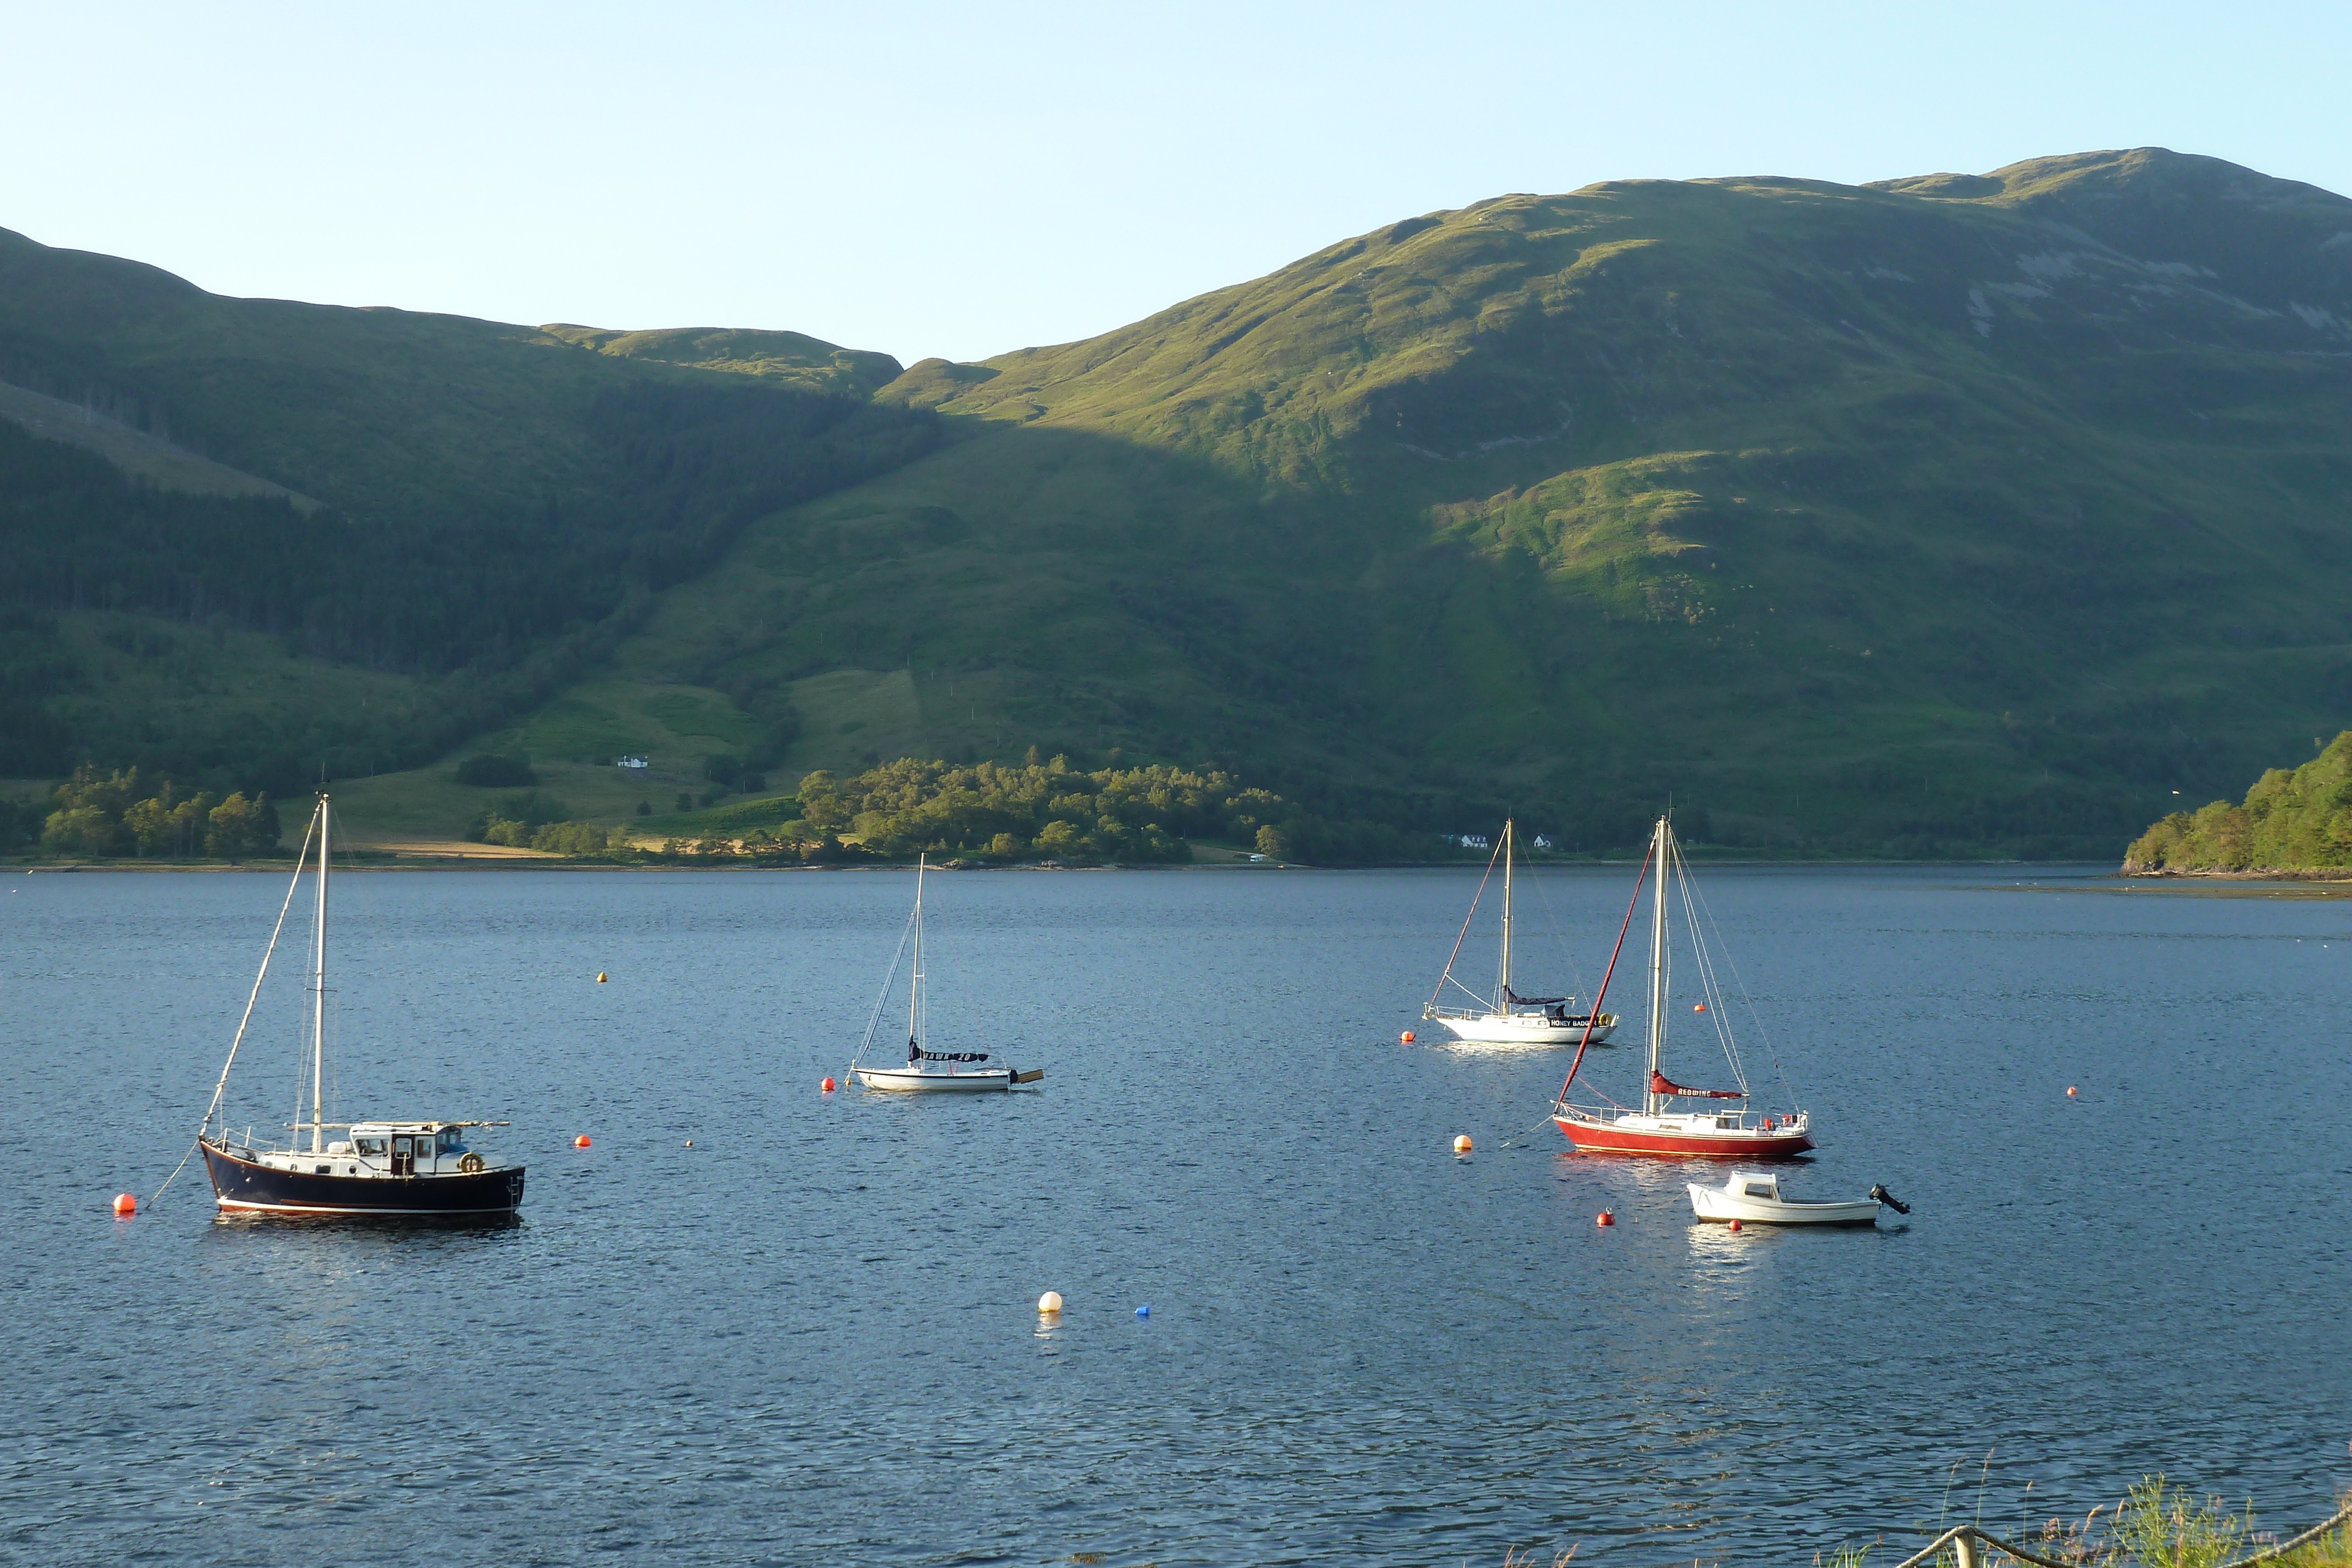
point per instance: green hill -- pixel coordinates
(1957, 515)
(252, 540)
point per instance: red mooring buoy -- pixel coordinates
(125, 1204)
(830, 1086)
(1405, 1038)
(581, 1142)
(1606, 1218)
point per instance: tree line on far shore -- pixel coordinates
(986, 812)
(2290, 822)
(98, 815)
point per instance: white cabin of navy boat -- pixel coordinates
(1508, 1017)
(925, 1071)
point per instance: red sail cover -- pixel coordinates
(1660, 1085)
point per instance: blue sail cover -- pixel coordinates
(1512, 998)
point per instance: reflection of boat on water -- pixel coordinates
(388, 1167)
(1753, 1197)
(1510, 1018)
(1668, 1124)
(929, 1072)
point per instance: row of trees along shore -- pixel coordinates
(2299, 821)
(984, 811)
(97, 815)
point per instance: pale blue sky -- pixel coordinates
(967, 179)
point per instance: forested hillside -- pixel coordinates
(483, 509)
(1957, 515)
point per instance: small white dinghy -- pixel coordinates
(1754, 1197)
(929, 1072)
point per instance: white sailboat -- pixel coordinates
(925, 1071)
(1508, 1017)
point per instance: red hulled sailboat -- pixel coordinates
(1673, 1120)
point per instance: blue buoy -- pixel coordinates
(1143, 1311)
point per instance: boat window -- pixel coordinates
(371, 1146)
(1758, 1190)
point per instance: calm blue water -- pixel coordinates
(810, 1337)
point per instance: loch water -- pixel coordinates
(810, 1337)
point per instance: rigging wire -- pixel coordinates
(1448, 976)
(1771, 1050)
(874, 1020)
(1593, 1014)
(1558, 930)
(221, 1088)
(1709, 987)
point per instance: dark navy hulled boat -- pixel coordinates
(383, 1168)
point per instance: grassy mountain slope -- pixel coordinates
(1959, 514)
(791, 357)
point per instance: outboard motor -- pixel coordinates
(1890, 1200)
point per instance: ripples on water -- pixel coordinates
(811, 1336)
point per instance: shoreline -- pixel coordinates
(2285, 873)
(384, 860)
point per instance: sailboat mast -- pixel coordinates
(318, 994)
(1503, 999)
(915, 986)
(1657, 974)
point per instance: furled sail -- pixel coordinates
(1511, 997)
(917, 1053)
(1660, 1085)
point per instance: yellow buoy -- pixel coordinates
(600, 976)
(1462, 1144)
(1050, 1303)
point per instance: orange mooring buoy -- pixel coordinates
(1462, 1144)
(830, 1086)
(125, 1204)
(581, 1142)
(2070, 1091)
(1606, 1218)
(1405, 1038)
(1735, 1225)
(1698, 1006)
